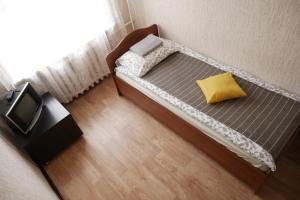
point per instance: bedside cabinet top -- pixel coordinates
(53, 113)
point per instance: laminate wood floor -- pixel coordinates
(126, 154)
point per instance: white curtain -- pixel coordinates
(74, 73)
(57, 45)
(5, 82)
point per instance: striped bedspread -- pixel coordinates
(265, 117)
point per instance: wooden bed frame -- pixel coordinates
(253, 176)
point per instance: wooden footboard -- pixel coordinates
(229, 160)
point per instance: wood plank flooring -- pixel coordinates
(126, 154)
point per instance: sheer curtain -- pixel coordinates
(5, 81)
(57, 45)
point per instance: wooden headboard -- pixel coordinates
(127, 42)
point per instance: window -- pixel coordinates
(36, 33)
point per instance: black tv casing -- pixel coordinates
(13, 121)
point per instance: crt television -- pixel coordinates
(25, 110)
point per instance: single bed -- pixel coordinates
(235, 133)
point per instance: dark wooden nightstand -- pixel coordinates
(55, 131)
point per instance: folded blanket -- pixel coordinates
(146, 45)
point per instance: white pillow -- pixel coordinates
(139, 65)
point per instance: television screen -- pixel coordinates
(26, 109)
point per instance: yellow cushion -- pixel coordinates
(220, 87)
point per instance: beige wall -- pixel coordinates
(19, 178)
(260, 36)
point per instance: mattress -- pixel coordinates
(202, 127)
(256, 128)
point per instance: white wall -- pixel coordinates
(260, 36)
(19, 178)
